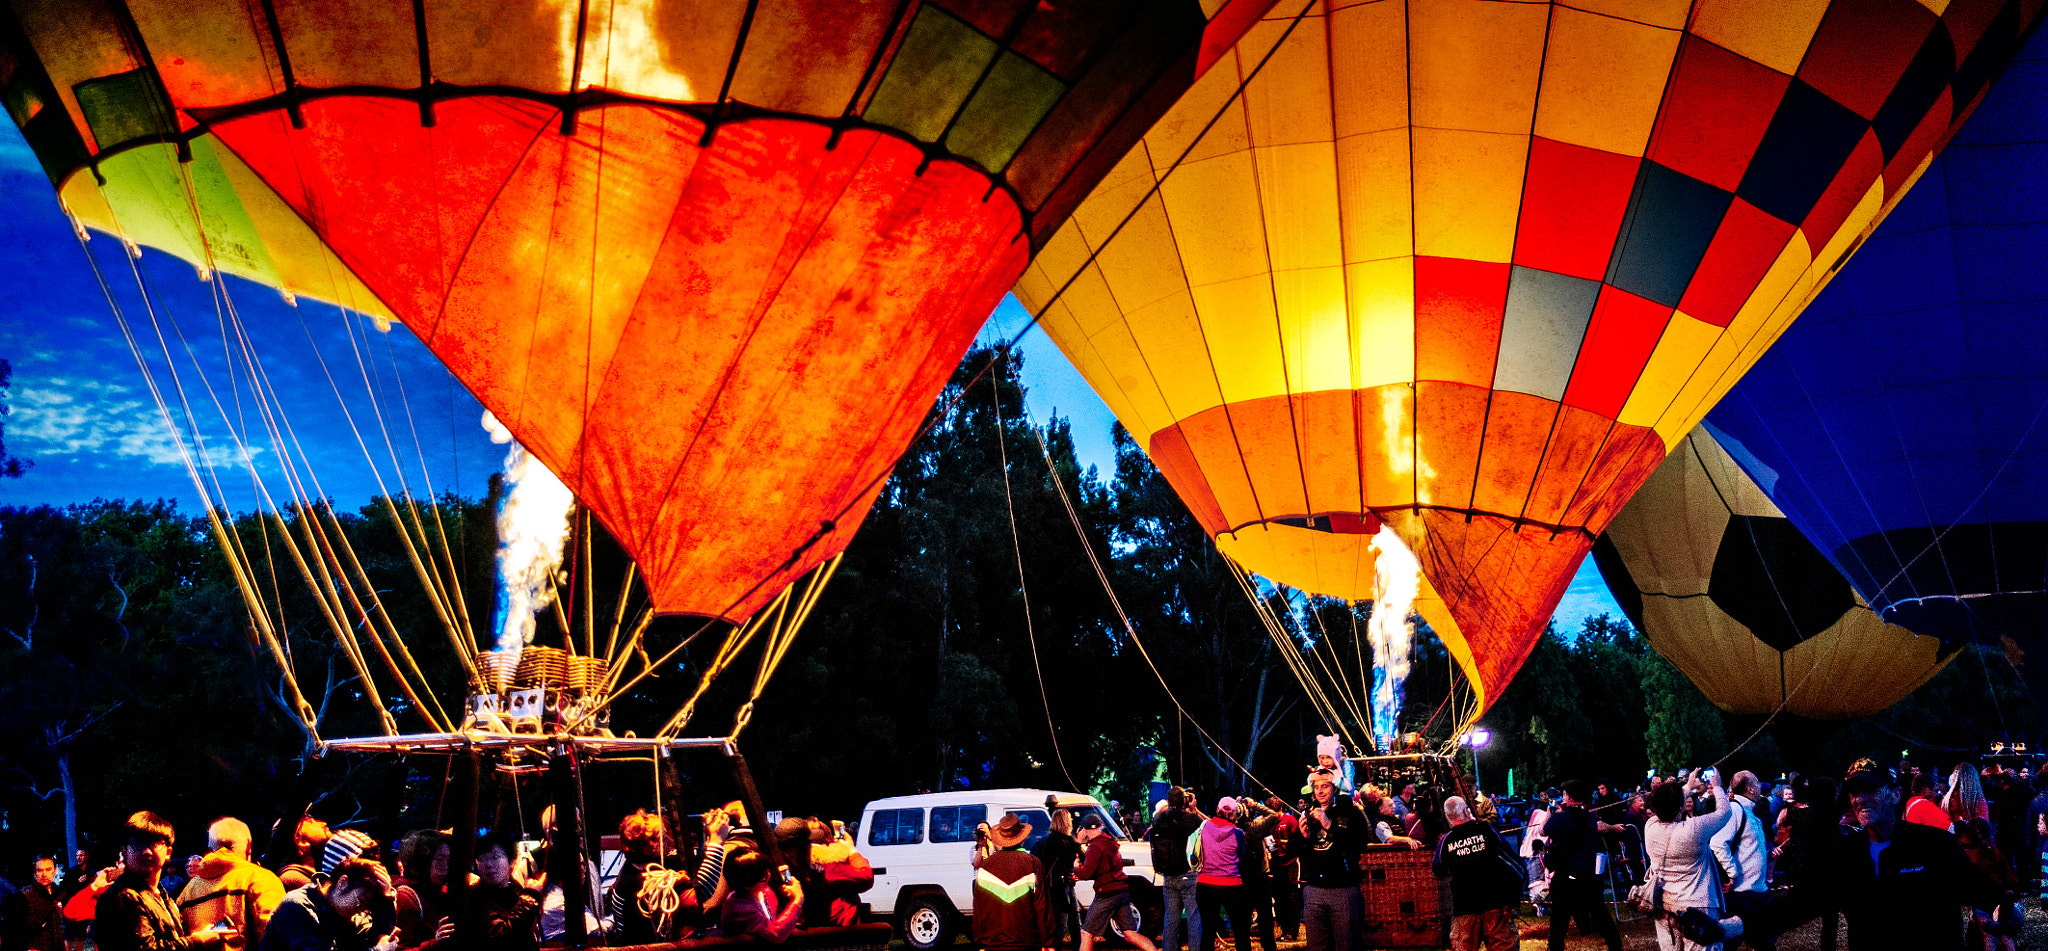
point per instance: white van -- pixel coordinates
(922, 848)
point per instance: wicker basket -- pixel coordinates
(1406, 905)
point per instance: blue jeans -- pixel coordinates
(1183, 919)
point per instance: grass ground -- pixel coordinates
(1636, 936)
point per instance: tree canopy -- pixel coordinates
(966, 640)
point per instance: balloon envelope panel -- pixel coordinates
(1470, 269)
(1724, 587)
(711, 262)
(1901, 422)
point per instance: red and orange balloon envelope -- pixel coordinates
(1470, 268)
(709, 261)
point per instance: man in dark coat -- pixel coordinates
(1576, 842)
(35, 915)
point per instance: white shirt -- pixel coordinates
(1681, 853)
(1740, 848)
(1534, 833)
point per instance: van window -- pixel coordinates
(897, 827)
(1041, 825)
(956, 823)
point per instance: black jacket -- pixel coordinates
(1574, 842)
(1169, 838)
(134, 916)
(1484, 872)
(1058, 853)
(1911, 901)
(1329, 854)
(35, 919)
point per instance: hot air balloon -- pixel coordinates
(711, 262)
(1469, 269)
(1903, 423)
(1726, 589)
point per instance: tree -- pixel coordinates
(1685, 729)
(11, 467)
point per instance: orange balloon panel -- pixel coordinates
(683, 369)
(1469, 268)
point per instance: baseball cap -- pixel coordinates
(1867, 775)
(1091, 821)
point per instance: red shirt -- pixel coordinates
(1928, 813)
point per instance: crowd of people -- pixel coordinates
(340, 890)
(1910, 858)
(1898, 853)
(1271, 871)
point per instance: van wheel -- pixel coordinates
(1148, 916)
(926, 922)
(1151, 908)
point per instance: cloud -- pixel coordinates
(68, 416)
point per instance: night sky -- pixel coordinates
(84, 413)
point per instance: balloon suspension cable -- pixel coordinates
(1017, 547)
(611, 643)
(229, 317)
(588, 569)
(260, 619)
(1332, 664)
(1130, 629)
(778, 644)
(1290, 652)
(342, 588)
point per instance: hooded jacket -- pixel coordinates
(842, 875)
(232, 889)
(1222, 843)
(1104, 863)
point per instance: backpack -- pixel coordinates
(1514, 873)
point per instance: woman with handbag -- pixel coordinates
(1683, 874)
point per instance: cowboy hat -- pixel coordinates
(1009, 831)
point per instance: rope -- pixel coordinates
(1290, 652)
(1130, 629)
(658, 898)
(244, 581)
(1017, 548)
(779, 642)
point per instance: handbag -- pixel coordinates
(1648, 896)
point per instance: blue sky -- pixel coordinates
(83, 411)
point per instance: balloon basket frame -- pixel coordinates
(562, 756)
